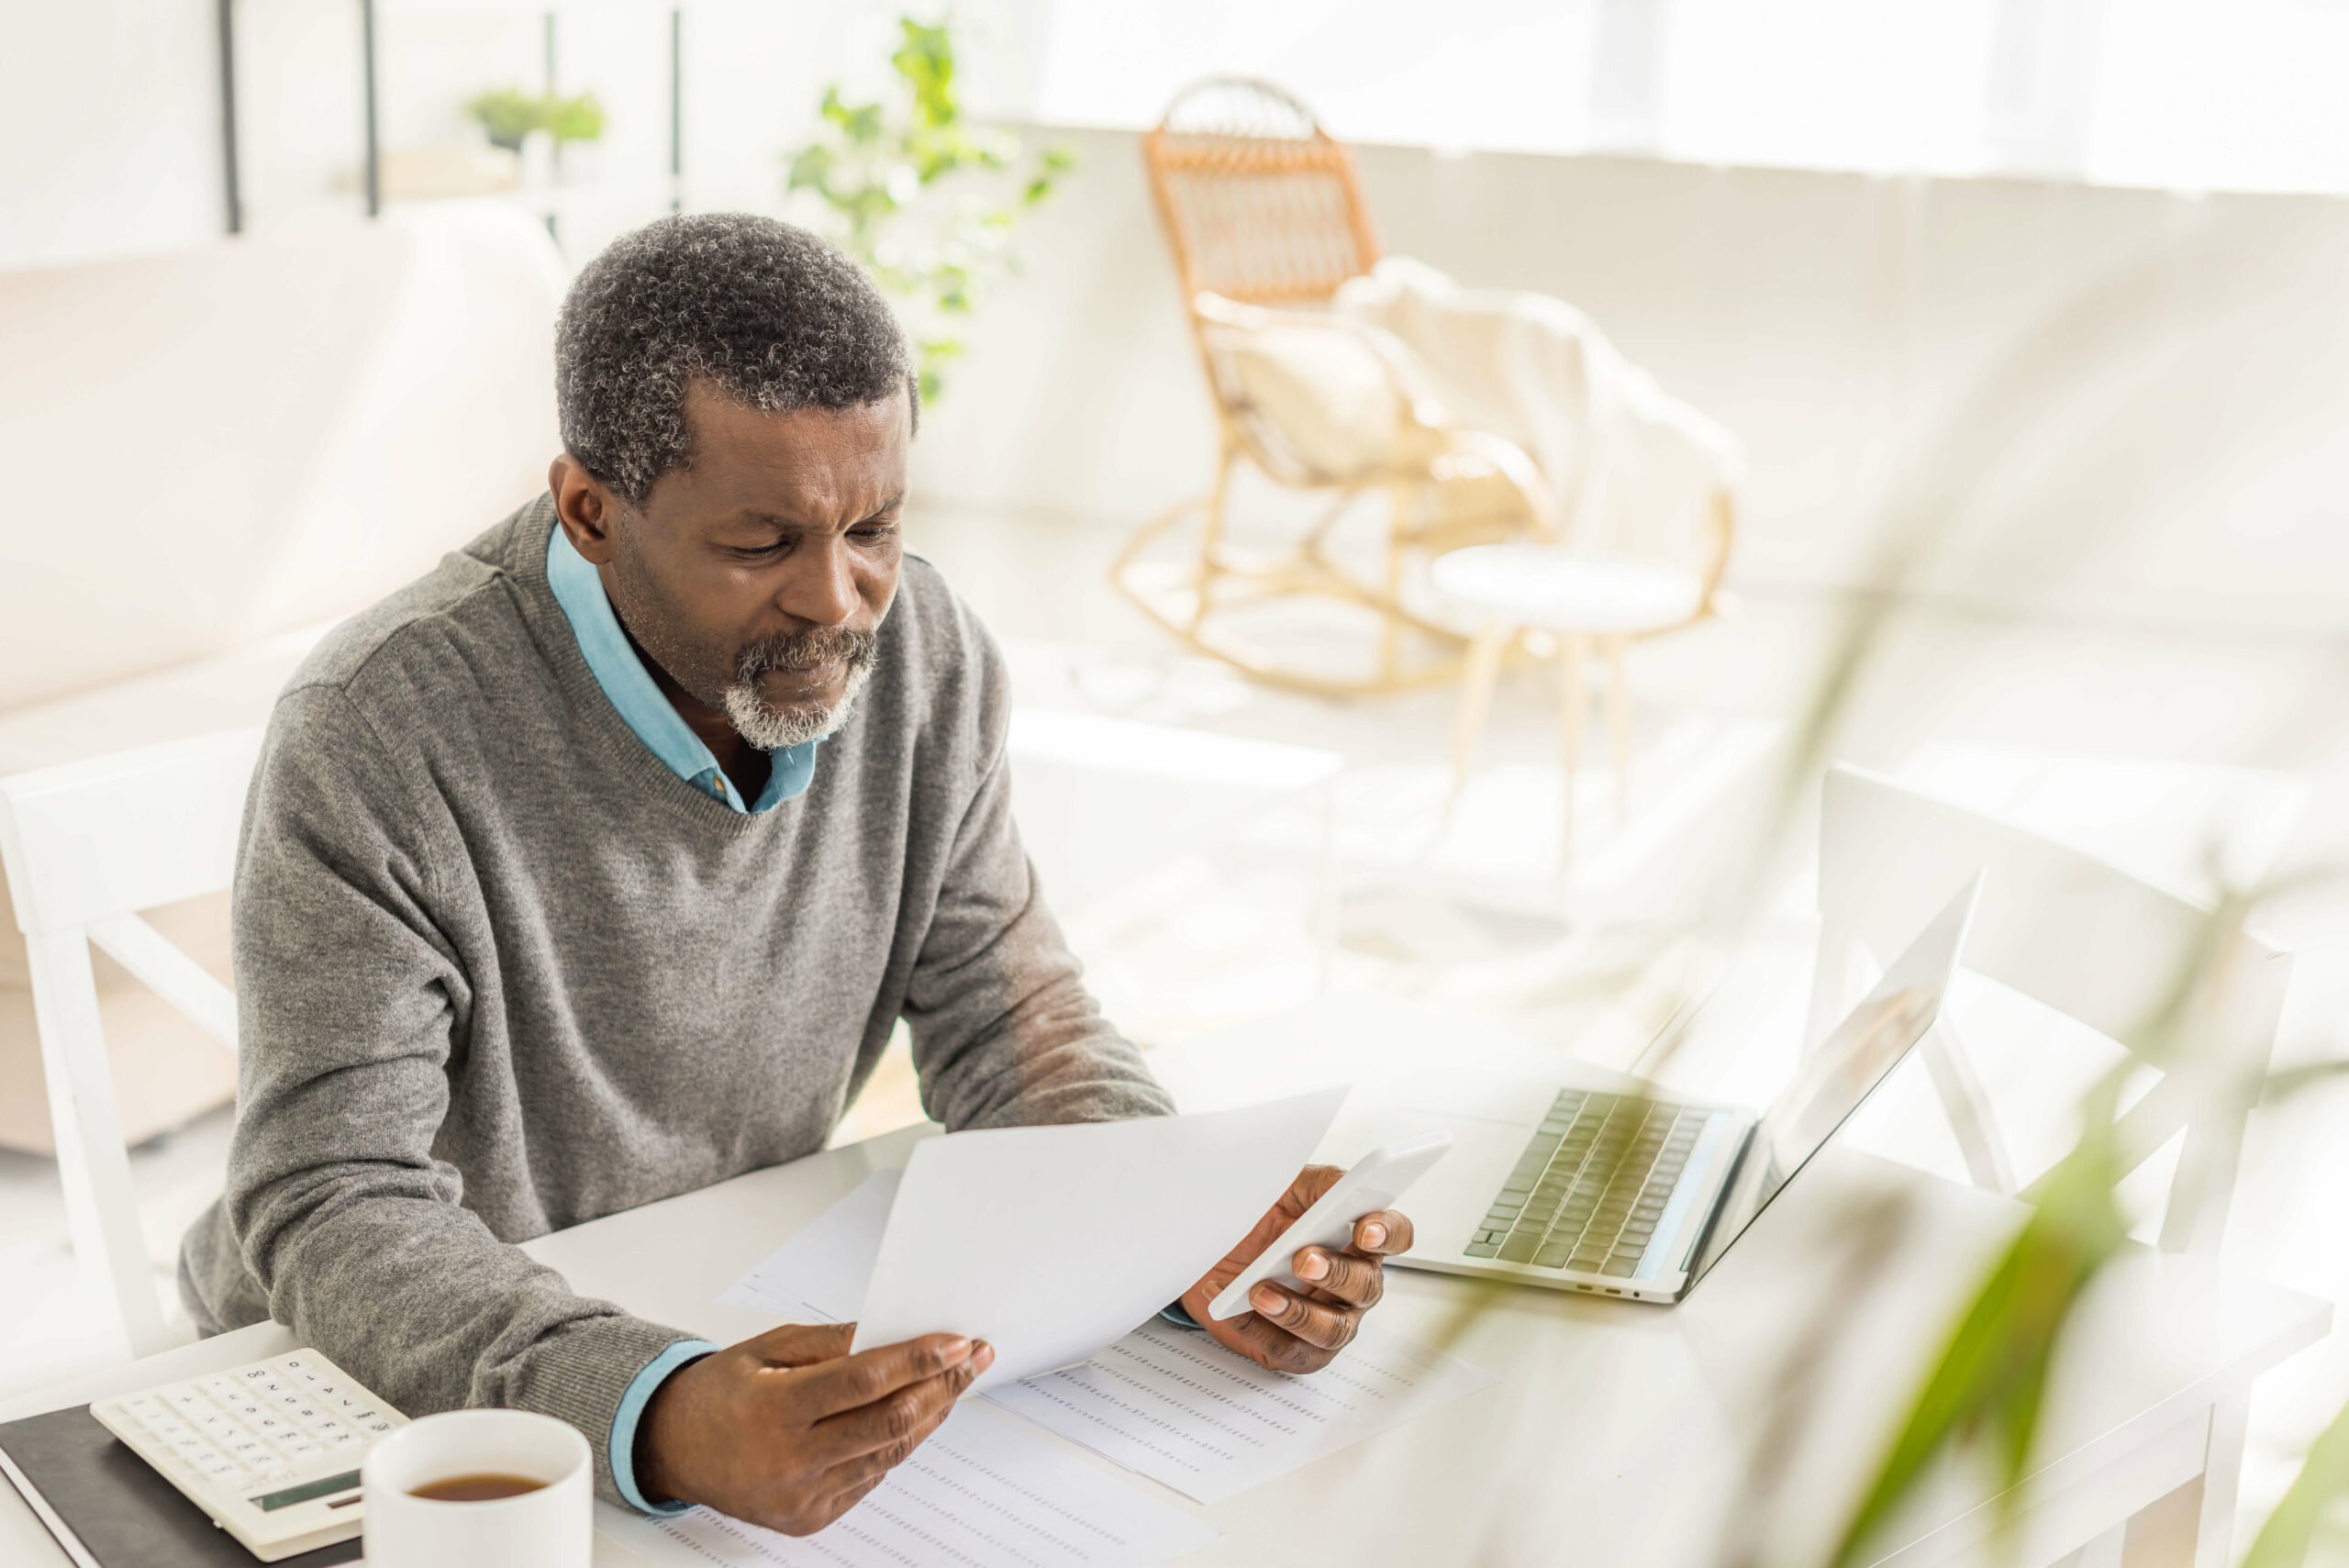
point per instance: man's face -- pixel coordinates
(758, 576)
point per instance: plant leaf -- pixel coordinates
(1995, 1369)
(2283, 1541)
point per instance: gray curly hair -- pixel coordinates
(775, 316)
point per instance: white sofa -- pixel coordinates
(212, 455)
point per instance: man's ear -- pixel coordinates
(584, 509)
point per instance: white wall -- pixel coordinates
(110, 127)
(2118, 402)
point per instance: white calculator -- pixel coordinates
(270, 1451)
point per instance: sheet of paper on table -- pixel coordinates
(1165, 1402)
(985, 1491)
(1173, 1405)
(818, 1275)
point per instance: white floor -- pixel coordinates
(2164, 741)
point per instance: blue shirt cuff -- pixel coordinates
(1178, 1313)
(632, 1403)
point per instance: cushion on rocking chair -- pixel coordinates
(1324, 387)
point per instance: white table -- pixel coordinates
(1618, 1433)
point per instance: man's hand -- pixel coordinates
(789, 1431)
(1289, 1331)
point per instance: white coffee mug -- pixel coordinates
(554, 1527)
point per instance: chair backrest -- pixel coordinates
(2074, 934)
(1259, 203)
(85, 846)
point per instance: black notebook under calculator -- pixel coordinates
(120, 1513)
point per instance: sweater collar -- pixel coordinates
(579, 589)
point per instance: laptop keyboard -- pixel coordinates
(1588, 1190)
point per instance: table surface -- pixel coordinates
(1617, 1431)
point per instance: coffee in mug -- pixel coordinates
(477, 1488)
(480, 1489)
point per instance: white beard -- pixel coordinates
(771, 729)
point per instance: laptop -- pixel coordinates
(1589, 1180)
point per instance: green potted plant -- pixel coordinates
(927, 201)
(511, 117)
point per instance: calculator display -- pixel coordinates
(303, 1494)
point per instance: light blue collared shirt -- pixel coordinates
(610, 658)
(630, 1415)
(580, 591)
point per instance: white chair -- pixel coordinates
(85, 846)
(2102, 948)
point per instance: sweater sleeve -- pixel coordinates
(352, 1005)
(1004, 1032)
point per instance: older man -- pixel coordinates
(599, 864)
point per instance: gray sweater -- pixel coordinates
(499, 970)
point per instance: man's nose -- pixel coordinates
(823, 590)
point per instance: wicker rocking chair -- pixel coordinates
(1266, 220)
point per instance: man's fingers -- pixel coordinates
(1383, 1234)
(890, 1428)
(861, 1473)
(1268, 1344)
(1357, 1282)
(869, 1375)
(1328, 1327)
(895, 1425)
(801, 1344)
(1310, 1184)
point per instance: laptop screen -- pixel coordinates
(1838, 1077)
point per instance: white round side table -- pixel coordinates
(1584, 602)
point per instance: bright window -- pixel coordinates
(2238, 95)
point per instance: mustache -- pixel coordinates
(808, 651)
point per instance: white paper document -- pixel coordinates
(1173, 1405)
(1167, 1403)
(818, 1276)
(1050, 1242)
(984, 1491)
